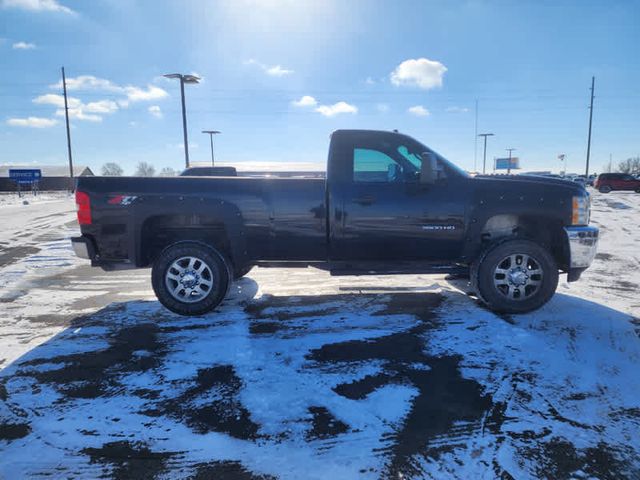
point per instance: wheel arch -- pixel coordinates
(546, 231)
(220, 228)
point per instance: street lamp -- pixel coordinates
(184, 79)
(484, 158)
(211, 134)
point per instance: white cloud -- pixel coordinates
(336, 108)
(382, 107)
(326, 110)
(155, 111)
(92, 111)
(305, 101)
(37, 6)
(370, 81)
(136, 94)
(278, 71)
(420, 72)
(89, 82)
(418, 111)
(132, 93)
(79, 114)
(77, 109)
(23, 46)
(32, 122)
(271, 70)
(57, 100)
(101, 106)
(457, 109)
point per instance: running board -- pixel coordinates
(399, 268)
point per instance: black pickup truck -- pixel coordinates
(389, 205)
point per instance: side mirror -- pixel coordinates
(429, 168)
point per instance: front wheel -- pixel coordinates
(190, 278)
(515, 276)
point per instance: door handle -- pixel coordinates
(365, 200)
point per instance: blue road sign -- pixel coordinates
(25, 176)
(507, 163)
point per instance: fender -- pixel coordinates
(226, 212)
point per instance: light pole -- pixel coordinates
(509, 167)
(484, 157)
(211, 134)
(184, 79)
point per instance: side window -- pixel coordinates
(416, 162)
(375, 166)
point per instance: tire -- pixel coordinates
(190, 278)
(637, 190)
(604, 189)
(506, 286)
(241, 271)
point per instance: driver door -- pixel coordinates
(390, 215)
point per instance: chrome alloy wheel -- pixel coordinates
(518, 276)
(189, 279)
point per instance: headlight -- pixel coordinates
(581, 210)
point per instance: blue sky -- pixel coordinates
(415, 66)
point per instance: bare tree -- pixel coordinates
(112, 169)
(630, 165)
(168, 172)
(144, 169)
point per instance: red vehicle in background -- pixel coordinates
(607, 182)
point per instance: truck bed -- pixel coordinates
(278, 218)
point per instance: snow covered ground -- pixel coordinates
(301, 375)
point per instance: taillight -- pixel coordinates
(83, 204)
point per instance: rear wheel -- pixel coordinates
(516, 276)
(604, 189)
(190, 278)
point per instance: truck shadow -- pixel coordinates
(408, 377)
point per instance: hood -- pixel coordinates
(531, 181)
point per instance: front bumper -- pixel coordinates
(583, 244)
(83, 247)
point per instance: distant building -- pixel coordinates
(54, 177)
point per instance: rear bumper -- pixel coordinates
(83, 247)
(583, 245)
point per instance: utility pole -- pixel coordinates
(509, 167)
(66, 115)
(593, 83)
(484, 156)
